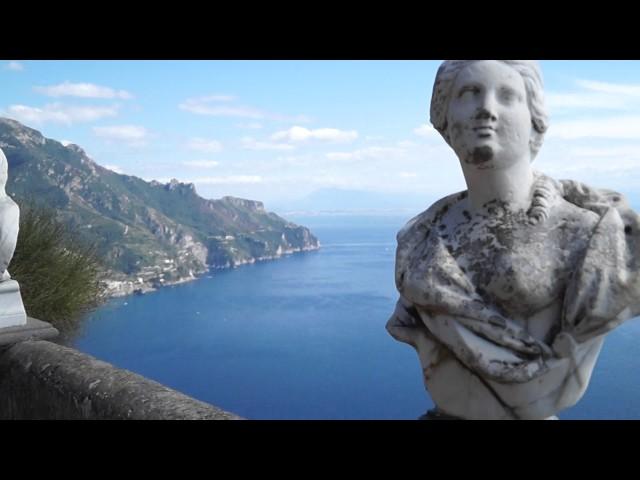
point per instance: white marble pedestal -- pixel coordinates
(12, 311)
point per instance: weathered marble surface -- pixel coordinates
(508, 289)
(12, 311)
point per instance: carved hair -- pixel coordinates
(544, 192)
(529, 70)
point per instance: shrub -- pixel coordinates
(58, 272)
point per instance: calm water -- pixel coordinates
(303, 337)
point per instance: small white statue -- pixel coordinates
(508, 288)
(12, 311)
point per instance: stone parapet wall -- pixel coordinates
(43, 380)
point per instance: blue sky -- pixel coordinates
(277, 131)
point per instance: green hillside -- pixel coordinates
(147, 232)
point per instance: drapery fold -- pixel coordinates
(602, 292)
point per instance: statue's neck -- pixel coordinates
(511, 185)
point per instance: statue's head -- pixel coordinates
(454, 87)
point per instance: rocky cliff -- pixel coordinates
(148, 233)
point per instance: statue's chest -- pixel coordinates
(512, 263)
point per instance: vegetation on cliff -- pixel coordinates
(147, 232)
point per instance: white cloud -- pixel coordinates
(632, 151)
(114, 168)
(131, 134)
(336, 181)
(563, 101)
(210, 105)
(301, 134)
(59, 113)
(219, 106)
(82, 90)
(340, 155)
(606, 171)
(407, 175)
(293, 161)
(365, 153)
(426, 130)
(228, 180)
(568, 159)
(216, 98)
(595, 94)
(14, 66)
(406, 144)
(250, 126)
(613, 165)
(204, 145)
(632, 90)
(620, 127)
(222, 111)
(201, 163)
(250, 143)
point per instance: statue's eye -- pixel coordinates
(468, 90)
(507, 95)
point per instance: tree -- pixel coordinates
(58, 272)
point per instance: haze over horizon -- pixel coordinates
(350, 134)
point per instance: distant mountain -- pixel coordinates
(148, 233)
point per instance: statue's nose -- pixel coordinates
(486, 108)
(484, 113)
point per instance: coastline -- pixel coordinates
(133, 285)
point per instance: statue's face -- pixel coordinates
(488, 119)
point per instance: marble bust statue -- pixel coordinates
(12, 311)
(508, 289)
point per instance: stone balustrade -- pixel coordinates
(43, 380)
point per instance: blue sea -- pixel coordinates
(303, 337)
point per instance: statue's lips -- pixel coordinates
(484, 130)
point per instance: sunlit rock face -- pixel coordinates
(508, 289)
(147, 234)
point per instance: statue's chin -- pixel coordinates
(481, 155)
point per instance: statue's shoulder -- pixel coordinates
(597, 200)
(421, 223)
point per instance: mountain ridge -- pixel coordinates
(148, 233)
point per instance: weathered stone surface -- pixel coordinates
(33, 330)
(508, 289)
(42, 380)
